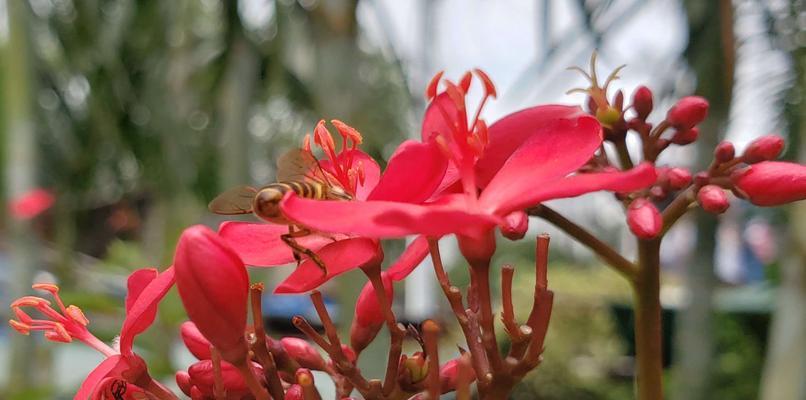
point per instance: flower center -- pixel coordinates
(343, 167)
(466, 139)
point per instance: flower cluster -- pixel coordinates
(463, 177)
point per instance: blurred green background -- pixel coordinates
(134, 114)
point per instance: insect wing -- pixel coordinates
(237, 200)
(300, 165)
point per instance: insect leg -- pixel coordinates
(289, 239)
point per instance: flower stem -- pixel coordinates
(254, 386)
(396, 331)
(218, 380)
(259, 347)
(648, 339)
(454, 296)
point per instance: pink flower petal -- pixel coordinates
(259, 244)
(563, 147)
(412, 257)
(339, 257)
(637, 178)
(509, 133)
(138, 280)
(142, 312)
(413, 174)
(434, 118)
(385, 219)
(104, 369)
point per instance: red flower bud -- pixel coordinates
(198, 345)
(685, 136)
(772, 183)
(724, 152)
(184, 382)
(369, 317)
(701, 179)
(202, 376)
(765, 148)
(644, 219)
(642, 102)
(302, 351)
(678, 178)
(515, 225)
(448, 373)
(688, 112)
(713, 199)
(214, 289)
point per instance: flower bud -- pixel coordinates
(214, 289)
(686, 136)
(303, 353)
(772, 183)
(202, 376)
(713, 199)
(765, 148)
(644, 219)
(449, 372)
(198, 345)
(618, 100)
(688, 112)
(701, 178)
(678, 178)
(724, 152)
(515, 225)
(369, 317)
(184, 382)
(642, 102)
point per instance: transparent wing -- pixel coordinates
(300, 165)
(237, 200)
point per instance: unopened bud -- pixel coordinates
(765, 148)
(701, 179)
(369, 317)
(618, 100)
(724, 152)
(642, 102)
(413, 369)
(214, 288)
(713, 199)
(644, 219)
(772, 183)
(678, 178)
(686, 136)
(688, 112)
(515, 225)
(302, 351)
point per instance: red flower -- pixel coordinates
(146, 287)
(771, 183)
(259, 244)
(644, 219)
(214, 288)
(196, 343)
(520, 161)
(30, 204)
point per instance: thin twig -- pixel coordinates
(431, 336)
(259, 348)
(218, 379)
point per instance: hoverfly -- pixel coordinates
(298, 171)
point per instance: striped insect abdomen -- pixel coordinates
(267, 201)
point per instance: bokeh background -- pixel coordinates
(134, 114)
